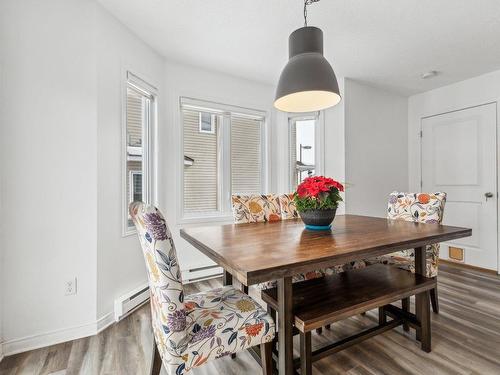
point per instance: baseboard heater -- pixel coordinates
(131, 301)
(201, 273)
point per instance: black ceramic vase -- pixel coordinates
(318, 219)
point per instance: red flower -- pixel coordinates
(313, 186)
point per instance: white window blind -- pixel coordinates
(246, 155)
(200, 178)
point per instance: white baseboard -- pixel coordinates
(56, 337)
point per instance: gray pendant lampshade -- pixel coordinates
(307, 82)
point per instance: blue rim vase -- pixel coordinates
(318, 219)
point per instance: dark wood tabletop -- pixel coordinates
(259, 252)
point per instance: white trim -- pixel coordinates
(150, 96)
(215, 107)
(57, 336)
(319, 142)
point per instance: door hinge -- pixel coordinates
(421, 133)
(421, 184)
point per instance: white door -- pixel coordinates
(459, 158)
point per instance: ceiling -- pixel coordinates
(385, 43)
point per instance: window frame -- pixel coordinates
(134, 82)
(226, 111)
(319, 137)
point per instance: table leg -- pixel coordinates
(420, 268)
(285, 327)
(227, 279)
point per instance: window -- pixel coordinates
(135, 183)
(222, 155)
(207, 122)
(140, 102)
(303, 148)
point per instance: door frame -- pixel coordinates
(497, 161)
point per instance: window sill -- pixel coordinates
(222, 219)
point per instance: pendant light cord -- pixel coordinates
(306, 3)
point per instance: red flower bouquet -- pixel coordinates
(317, 199)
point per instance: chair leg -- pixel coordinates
(434, 300)
(319, 330)
(244, 288)
(405, 306)
(266, 357)
(305, 354)
(156, 360)
(272, 313)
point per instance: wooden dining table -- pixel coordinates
(259, 252)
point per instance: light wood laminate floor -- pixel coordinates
(466, 340)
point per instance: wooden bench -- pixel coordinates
(323, 301)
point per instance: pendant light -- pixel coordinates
(308, 82)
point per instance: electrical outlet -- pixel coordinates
(70, 287)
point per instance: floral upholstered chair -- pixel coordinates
(421, 208)
(256, 208)
(288, 207)
(194, 329)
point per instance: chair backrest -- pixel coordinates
(164, 275)
(417, 207)
(288, 207)
(255, 208)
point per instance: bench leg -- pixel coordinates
(425, 321)
(266, 357)
(405, 306)
(382, 318)
(434, 300)
(305, 354)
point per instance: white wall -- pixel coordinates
(62, 69)
(48, 149)
(472, 92)
(376, 155)
(335, 143)
(120, 265)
